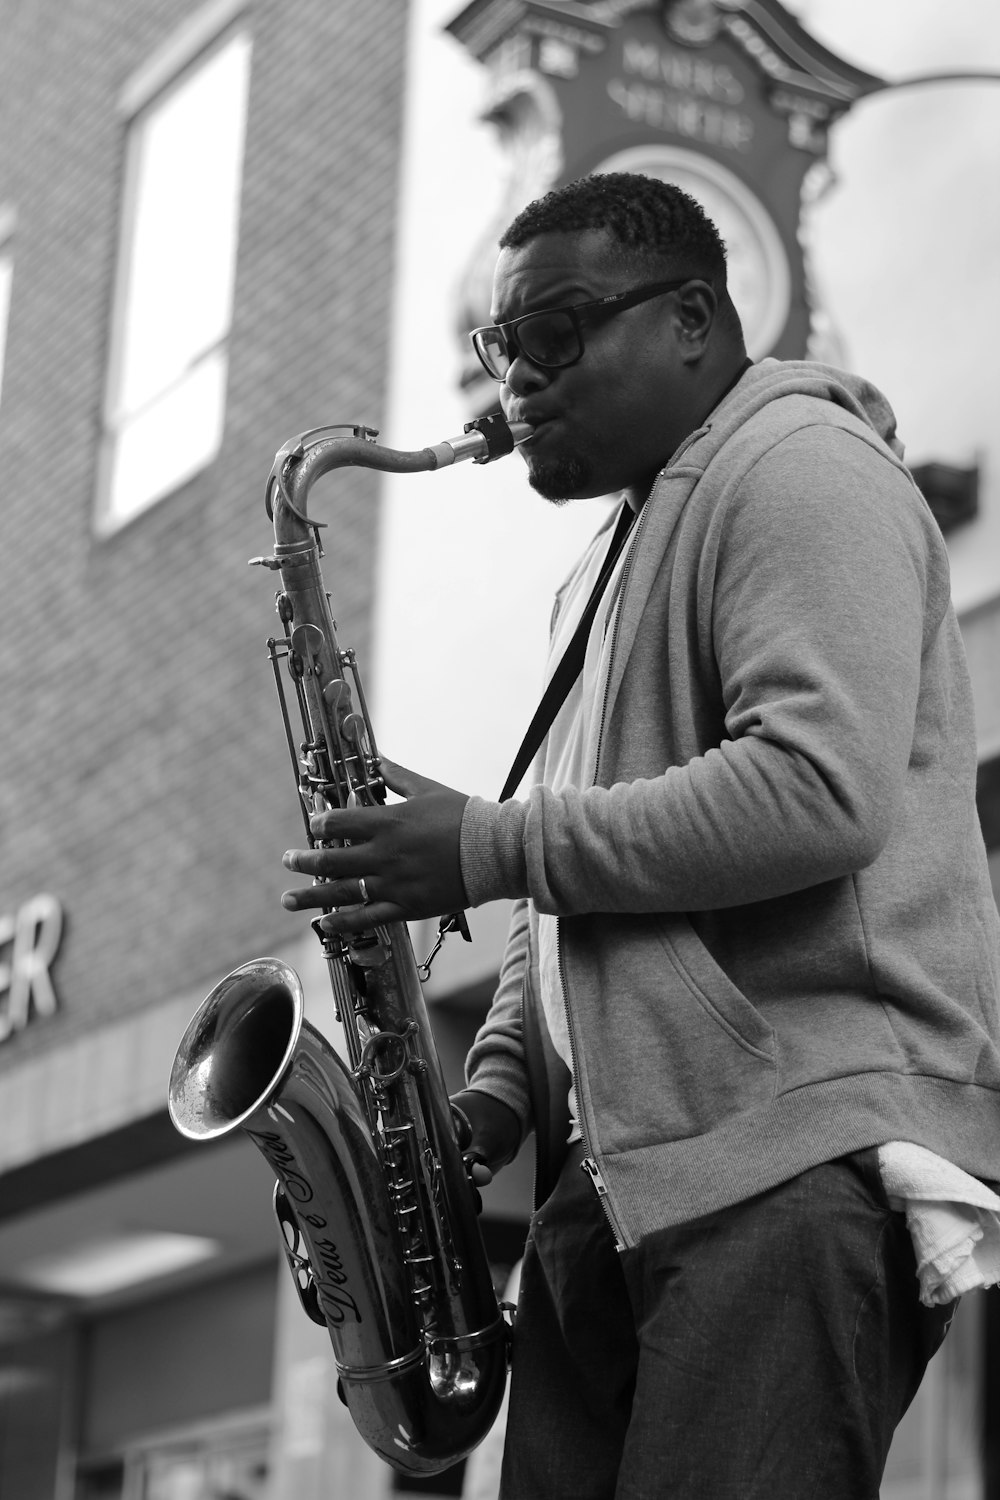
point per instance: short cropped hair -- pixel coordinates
(650, 219)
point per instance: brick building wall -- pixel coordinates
(143, 780)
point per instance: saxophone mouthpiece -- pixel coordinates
(500, 437)
(485, 439)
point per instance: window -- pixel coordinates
(166, 394)
(228, 1459)
(6, 276)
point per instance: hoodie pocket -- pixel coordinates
(716, 1054)
(669, 1048)
(712, 988)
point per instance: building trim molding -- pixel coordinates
(114, 1075)
(174, 54)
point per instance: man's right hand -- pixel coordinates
(493, 1135)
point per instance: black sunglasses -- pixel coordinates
(553, 338)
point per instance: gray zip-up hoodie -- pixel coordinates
(777, 936)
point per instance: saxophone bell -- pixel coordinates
(422, 1393)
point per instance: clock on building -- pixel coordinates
(730, 100)
(760, 281)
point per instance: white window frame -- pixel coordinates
(204, 1445)
(8, 223)
(193, 43)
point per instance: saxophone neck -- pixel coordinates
(304, 459)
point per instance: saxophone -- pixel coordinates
(376, 1212)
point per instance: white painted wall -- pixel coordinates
(907, 244)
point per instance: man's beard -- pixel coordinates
(559, 480)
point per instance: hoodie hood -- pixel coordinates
(772, 379)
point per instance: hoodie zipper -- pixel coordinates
(589, 1164)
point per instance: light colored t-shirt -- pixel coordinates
(570, 753)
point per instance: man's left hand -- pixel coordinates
(388, 864)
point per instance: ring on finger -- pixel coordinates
(362, 887)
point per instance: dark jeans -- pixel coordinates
(765, 1352)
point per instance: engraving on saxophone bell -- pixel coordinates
(324, 1264)
(275, 1149)
(331, 1283)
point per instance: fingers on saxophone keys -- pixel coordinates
(349, 892)
(348, 919)
(305, 861)
(339, 823)
(326, 864)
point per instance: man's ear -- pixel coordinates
(697, 309)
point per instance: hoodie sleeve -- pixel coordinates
(496, 1060)
(830, 580)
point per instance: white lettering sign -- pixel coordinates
(29, 942)
(683, 115)
(691, 75)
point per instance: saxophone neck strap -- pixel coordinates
(571, 663)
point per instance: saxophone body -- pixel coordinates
(376, 1212)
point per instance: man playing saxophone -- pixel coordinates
(750, 988)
